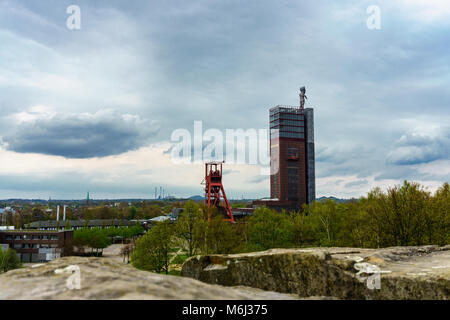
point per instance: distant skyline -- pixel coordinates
(93, 109)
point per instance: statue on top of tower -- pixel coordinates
(302, 97)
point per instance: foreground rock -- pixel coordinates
(103, 278)
(345, 273)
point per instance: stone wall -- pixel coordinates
(344, 273)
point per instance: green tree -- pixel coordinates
(153, 249)
(132, 214)
(438, 217)
(81, 239)
(325, 220)
(98, 239)
(9, 260)
(398, 217)
(268, 229)
(187, 227)
(302, 232)
(354, 230)
(221, 236)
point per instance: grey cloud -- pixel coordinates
(82, 135)
(347, 160)
(74, 184)
(258, 179)
(219, 61)
(416, 148)
(169, 151)
(402, 172)
(356, 183)
(229, 171)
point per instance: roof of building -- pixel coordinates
(81, 223)
(7, 209)
(160, 219)
(33, 231)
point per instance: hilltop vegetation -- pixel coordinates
(401, 216)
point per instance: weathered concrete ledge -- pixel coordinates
(345, 273)
(106, 279)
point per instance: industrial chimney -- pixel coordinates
(64, 215)
(57, 213)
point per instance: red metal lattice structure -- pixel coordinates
(214, 192)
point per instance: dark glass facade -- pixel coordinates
(288, 155)
(287, 122)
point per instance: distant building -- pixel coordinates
(77, 224)
(38, 246)
(242, 212)
(7, 210)
(175, 213)
(159, 219)
(171, 217)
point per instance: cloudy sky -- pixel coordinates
(94, 109)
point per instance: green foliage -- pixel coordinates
(132, 214)
(325, 220)
(403, 215)
(221, 236)
(268, 229)
(189, 227)
(180, 259)
(9, 260)
(302, 229)
(87, 237)
(152, 252)
(98, 239)
(407, 215)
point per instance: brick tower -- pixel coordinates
(292, 179)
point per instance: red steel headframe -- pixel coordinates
(214, 191)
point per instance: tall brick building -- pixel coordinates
(292, 179)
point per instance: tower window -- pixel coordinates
(292, 152)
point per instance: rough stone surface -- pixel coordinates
(105, 278)
(344, 273)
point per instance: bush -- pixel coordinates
(9, 260)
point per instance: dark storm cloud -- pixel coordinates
(84, 135)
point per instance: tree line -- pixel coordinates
(403, 215)
(99, 238)
(144, 210)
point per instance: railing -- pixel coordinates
(286, 108)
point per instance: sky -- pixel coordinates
(93, 109)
